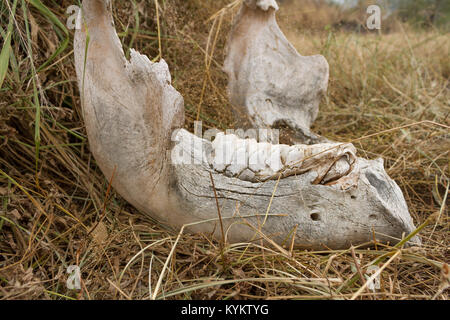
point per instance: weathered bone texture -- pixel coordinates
(132, 115)
(268, 79)
(333, 216)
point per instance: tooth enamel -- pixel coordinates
(246, 175)
(224, 150)
(275, 162)
(249, 160)
(240, 158)
(294, 156)
(337, 169)
(284, 151)
(257, 156)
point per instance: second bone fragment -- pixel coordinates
(269, 81)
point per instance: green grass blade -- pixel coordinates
(6, 50)
(36, 102)
(57, 23)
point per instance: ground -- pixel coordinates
(388, 94)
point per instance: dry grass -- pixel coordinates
(57, 208)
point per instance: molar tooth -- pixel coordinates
(295, 156)
(257, 160)
(284, 151)
(247, 175)
(275, 162)
(241, 155)
(240, 158)
(337, 170)
(252, 161)
(218, 140)
(223, 152)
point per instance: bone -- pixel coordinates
(269, 81)
(362, 202)
(134, 119)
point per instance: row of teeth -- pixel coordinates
(254, 161)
